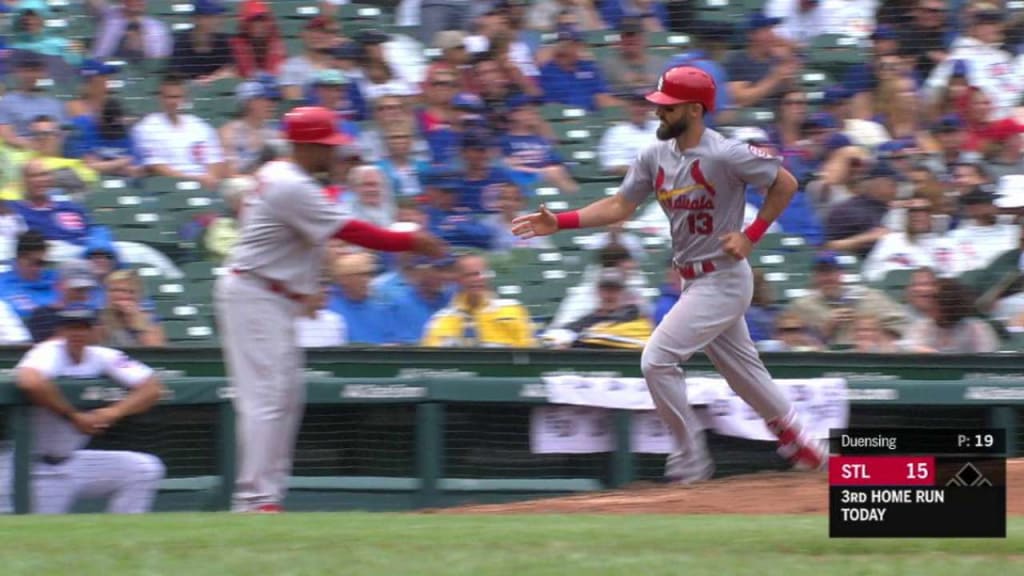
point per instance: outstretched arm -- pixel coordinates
(376, 238)
(605, 211)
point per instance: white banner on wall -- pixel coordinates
(579, 419)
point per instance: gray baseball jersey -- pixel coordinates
(701, 190)
(285, 223)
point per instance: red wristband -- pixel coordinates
(568, 220)
(757, 229)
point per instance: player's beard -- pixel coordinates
(671, 131)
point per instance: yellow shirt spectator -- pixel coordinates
(47, 141)
(475, 317)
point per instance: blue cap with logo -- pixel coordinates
(826, 259)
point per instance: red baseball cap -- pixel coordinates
(313, 125)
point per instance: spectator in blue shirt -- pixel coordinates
(757, 75)
(570, 80)
(446, 219)
(29, 284)
(365, 315)
(531, 156)
(329, 91)
(105, 144)
(482, 181)
(55, 220)
(669, 292)
(429, 291)
(25, 101)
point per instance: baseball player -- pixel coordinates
(274, 277)
(61, 470)
(698, 178)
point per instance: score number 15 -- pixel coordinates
(918, 471)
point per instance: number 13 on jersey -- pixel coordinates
(702, 223)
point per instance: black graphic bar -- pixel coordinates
(918, 441)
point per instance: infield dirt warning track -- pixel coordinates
(765, 493)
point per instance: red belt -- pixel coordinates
(273, 285)
(691, 270)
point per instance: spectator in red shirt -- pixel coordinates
(257, 47)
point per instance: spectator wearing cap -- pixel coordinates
(652, 13)
(93, 90)
(56, 220)
(856, 224)
(30, 34)
(632, 66)
(125, 31)
(26, 100)
(29, 283)
(616, 321)
(482, 179)
(924, 35)
(622, 141)
(319, 40)
(74, 286)
(428, 291)
(331, 89)
(543, 14)
(916, 246)
(757, 76)
(365, 314)
(532, 157)
(511, 205)
(947, 140)
(983, 236)
(830, 306)
(569, 79)
(475, 316)
(176, 145)
(256, 127)
(709, 47)
(106, 146)
(126, 319)
(989, 67)
(454, 56)
(955, 327)
(448, 219)
(581, 299)
(203, 53)
(257, 48)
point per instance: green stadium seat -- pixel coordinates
(674, 41)
(555, 112)
(895, 282)
(574, 132)
(189, 332)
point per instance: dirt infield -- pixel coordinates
(768, 493)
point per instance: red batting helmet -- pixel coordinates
(684, 84)
(313, 125)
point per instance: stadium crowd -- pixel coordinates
(909, 155)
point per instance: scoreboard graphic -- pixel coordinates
(917, 483)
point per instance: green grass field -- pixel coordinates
(358, 544)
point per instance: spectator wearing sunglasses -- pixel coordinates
(29, 283)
